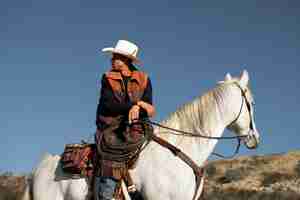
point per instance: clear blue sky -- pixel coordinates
(50, 65)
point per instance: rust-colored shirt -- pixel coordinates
(109, 105)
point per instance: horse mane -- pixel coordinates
(199, 112)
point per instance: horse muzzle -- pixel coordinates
(252, 140)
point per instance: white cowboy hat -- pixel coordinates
(125, 48)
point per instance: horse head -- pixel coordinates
(243, 123)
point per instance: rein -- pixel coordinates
(189, 134)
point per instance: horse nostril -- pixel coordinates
(251, 141)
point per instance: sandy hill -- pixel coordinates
(273, 177)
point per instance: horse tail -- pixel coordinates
(28, 193)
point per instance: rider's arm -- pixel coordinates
(147, 108)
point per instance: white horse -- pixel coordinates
(158, 173)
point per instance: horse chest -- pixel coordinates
(164, 176)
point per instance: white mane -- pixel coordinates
(204, 111)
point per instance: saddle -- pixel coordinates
(118, 147)
(116, 151)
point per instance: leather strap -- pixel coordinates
(198, 171)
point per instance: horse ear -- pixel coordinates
(244, 79)
(228, 77)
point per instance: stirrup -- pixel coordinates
(132, 188)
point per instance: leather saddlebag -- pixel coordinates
(78, 159)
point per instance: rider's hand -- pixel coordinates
(134, 113)
(150, 109)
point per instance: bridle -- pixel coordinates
(252, 127)
(239, 137)
(248, 104)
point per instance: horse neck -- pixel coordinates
(198, 118)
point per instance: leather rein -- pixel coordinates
(190, 134)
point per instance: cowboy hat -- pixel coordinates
(125, 48)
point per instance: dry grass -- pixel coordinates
(11, 187)
(271, 177)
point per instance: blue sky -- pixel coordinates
(50, 65)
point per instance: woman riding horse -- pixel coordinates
(126, 92)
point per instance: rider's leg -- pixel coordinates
(105, 188)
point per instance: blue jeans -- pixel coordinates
(104, 188)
